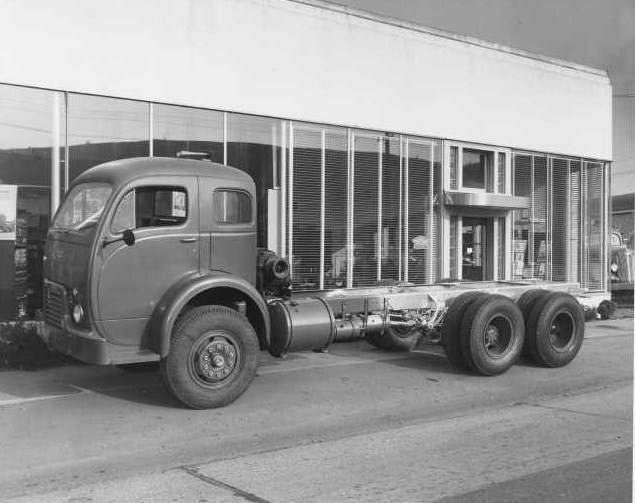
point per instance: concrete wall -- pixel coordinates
(287, 59)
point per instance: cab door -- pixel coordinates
(131, 279)
(228, 220)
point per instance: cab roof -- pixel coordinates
(125, 170)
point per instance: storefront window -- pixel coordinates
(254, 145)
(193, 129)
(105, 129)
(419, 211)
(335, 208)
(366, 209)
(31, 165)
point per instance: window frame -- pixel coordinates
(158, 188)
(491, 173)
(225, 224)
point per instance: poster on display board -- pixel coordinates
(8, 205)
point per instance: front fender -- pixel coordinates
(178, 295)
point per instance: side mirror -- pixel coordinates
(128, 237)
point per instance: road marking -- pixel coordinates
(14, 400)
(19, 401)
(247, 496)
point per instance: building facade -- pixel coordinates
(382, 151)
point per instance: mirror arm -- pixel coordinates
(107, 241)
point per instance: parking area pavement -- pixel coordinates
(18, 386)
(352, 416)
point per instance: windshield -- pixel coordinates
(82, 207)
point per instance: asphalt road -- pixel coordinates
(355, 424)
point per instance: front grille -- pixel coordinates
(53, 304)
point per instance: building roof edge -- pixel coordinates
(408, 25)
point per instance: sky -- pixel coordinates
(596, 33)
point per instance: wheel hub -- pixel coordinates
(216, 360)
(562, 329)
(498, 336)
(491, 336)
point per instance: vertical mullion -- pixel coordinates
(225, 137)
(55, 153)
(607, 198)
(549, 218)
(290, 239)
(283, 192)
(567, 246)
(67, 170)
(151, 128)
(400, 218)
(530, 243)
(378, 244)
(406, 209)
(431, 237)
(322, 206)
(583, 258)
(349, 230)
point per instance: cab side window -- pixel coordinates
(150, 207)
(232, 207)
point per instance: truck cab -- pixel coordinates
(136, 242)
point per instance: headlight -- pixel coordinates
(78, 313)
(614, 267)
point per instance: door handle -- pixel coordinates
(188, 240)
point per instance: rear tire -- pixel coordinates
(451, 341)
(527, 300)
(213, 357)
(492, 334)
(525, 303)
(555, 330)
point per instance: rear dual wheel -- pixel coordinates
(492, 334)
(555, 330)
(452, 327)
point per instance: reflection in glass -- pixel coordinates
(180, 128)
(105, 129)
(232, 207)
(82, 207)
(474, 168)
(31, 135)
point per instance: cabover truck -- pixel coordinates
(155, 259)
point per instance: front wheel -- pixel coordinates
(213, 357)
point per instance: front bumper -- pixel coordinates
(83, 346)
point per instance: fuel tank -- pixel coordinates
(300, 325)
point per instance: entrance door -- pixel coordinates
(477, 249)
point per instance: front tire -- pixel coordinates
(213, 357)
